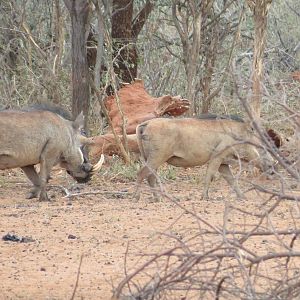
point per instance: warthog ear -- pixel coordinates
(79, 122)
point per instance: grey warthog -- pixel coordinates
(195, 142)
(42, 137)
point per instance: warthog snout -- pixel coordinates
(87, 170)
(268, 165)
(86, 167)
(84, 174)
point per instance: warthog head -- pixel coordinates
(266, 163)
(77, 165)
(86, 170)
(75, 161)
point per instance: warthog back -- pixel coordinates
(24, 135)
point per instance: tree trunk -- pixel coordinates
(210, 60)
(125, 55)
(259, 46)
(206, 102)
(58, 35)
(100, 43)
(124, 33)
(79, 11)
(260, 11)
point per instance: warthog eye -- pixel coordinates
(83, 132)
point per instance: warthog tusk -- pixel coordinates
(98, 165)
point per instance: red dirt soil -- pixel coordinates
(101, 226)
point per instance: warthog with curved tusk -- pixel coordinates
(42, 137)
(195, 142)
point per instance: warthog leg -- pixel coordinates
(212, 169)
(227, 175)
(34, 178)
(145, 173)
(153, 183)
(47, 161)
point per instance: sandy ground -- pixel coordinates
(102, 228)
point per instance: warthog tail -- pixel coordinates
(140, 137)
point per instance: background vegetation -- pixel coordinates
(198, 49)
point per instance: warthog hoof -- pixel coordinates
(44, 197)
(205, 196)
(155, 199)
(136, 196)
(34, 193)
(241, 196)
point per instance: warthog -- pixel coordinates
(42, 137)
(49, 107)
(220, 117)
(195, 142)
(107, 144)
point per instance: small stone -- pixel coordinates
(72, 237)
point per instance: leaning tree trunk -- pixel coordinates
(79, 11)
(125, 31)
(260, 11)
(124, 46)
